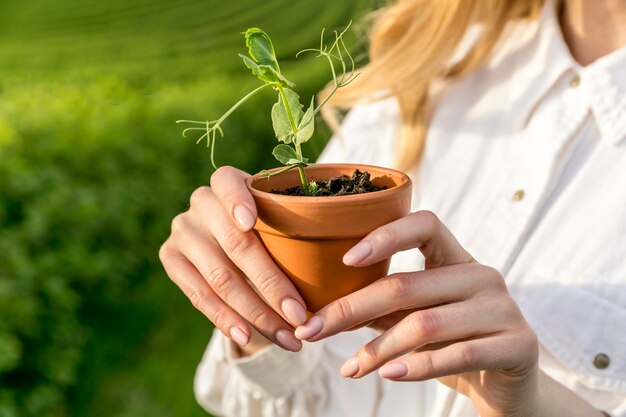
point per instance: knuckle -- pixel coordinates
(369, 353)
(231, 193)
(343, 310)
(509, 309)
(383, 237)
(268, 282)
(219, 318)
(469, 356)
(494, 278)
(236, 242)
(424, 325)
(525, 337)
(179, 223)
(426, 370)
(260, 316)
(223, 171)
(428, 219)
(199, 196)
(221, 174)
(531, 337)
(220, 279)
(200, 301)
(532, 343)
(165, 252)
(399, 285)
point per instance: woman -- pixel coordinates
(523, 311)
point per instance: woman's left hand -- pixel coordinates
(454, 321)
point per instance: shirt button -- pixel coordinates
(601, 361)
(518, 195)
(575, 82)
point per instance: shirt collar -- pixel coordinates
(540, 62)
(604, 82)
(544, 59)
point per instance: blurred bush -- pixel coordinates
(92, 170)
(87, 185)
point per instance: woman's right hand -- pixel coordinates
(209, 251)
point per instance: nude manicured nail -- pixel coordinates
(244, 217)
(350, 368)
(393, 370)
(358, 253)
(310, 328)
(287, 340)
(239, 336)
(294, 311)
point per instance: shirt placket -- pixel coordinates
(535, 159)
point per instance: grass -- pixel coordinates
(111, 72)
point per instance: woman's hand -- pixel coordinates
(211, 245)
(455, 321)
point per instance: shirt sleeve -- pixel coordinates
(277, 383)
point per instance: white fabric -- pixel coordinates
(516, 124)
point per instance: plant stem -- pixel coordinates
(237, 104)
(292, 122)
(305, 184)
(330, 94)
(280, 171)
(298, 150)
(335, 86)
(294, 128)
(213, 127)
(303, 178)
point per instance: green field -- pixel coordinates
(92, 170)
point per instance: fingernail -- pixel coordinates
(310, 328)
(393, 370)
(239, 336)
(350, 368)
(359, 252)
(244, 217)
(294, 311)
(287, 340)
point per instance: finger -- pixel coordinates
(512, 351)
(226, 281)
(229, 186)
(248, 253)
(422, 230)
(402, 291)
(203, 298)
(446, 323)
(387, 321)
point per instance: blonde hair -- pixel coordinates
(412, 44)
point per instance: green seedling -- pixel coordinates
(293, 125)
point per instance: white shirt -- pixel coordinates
(525, 162)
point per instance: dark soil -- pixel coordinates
(359, 183)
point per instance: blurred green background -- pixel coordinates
(93, 169)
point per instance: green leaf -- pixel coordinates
(266, 73)
(260, 48)
(280, 119)
(262, 72)
(306, 125)
(285, 82)
(250, 64)
(286, 155)
(262, 61)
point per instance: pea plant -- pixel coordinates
(292, 125)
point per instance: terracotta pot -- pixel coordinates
(308, 236)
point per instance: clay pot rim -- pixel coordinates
(377, 195)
